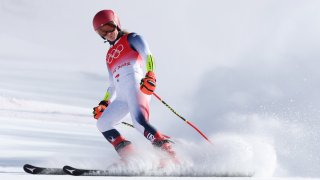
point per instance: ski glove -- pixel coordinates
(98, 110)
(148, 84)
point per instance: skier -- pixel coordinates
(132, 81)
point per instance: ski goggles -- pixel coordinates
(106, 29)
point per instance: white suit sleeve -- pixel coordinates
(111, 89)
(138, 44)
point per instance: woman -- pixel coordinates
(132, 82)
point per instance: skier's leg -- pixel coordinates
(138, 104)
(106, 125)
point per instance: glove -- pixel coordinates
(148, 84)
(97, 111)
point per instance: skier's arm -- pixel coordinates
(138, 44)
(98, 110)
(111, 89)
(148, 83)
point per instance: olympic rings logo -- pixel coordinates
(114, 54)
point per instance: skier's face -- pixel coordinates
(112, 36)
(108, 31)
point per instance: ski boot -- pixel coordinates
(164, 144)
(124, 149)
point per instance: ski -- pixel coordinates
(68, 170)
(42, 170)
(95, 172)
(85, 172)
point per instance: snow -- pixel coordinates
(27, 177)
(48, 135)
(253, 89)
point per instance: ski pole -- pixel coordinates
(125, 123)
(130, 125)
(188, 122)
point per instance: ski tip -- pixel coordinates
(31, 169)
(72, 171)
(27, 165)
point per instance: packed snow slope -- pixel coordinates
(55, 135)
(251, 83)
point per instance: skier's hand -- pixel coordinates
(148, 84)
(98, 110)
